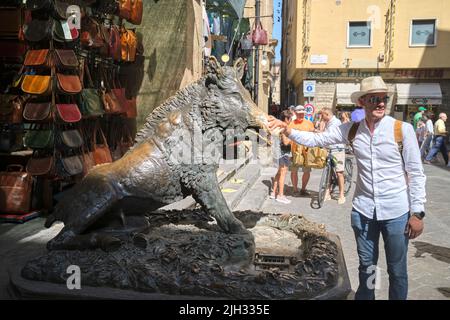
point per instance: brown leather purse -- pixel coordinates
(137, 12)
(101, 152)
(15, 190)
(115, 45)
(11, 108)
(38, 112)
(42, 166)
(67, 59)
(68, 83)
(125, 8)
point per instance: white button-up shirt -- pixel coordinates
(381, 183)
(334, 122)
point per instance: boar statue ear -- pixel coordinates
(239, 65)
(214, 66)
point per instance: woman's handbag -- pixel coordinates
(298, 156)
(316, 158)
(68, 83)
(38, 58)
(66, 59)
(72, 138)
(42, 166)
(68, 112)
(101, 152)
(259, 35)
(137, 11)
(39, 139)
(15, 190)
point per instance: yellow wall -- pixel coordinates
(328, 34)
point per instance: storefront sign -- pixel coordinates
(391, 74)
(319, 59)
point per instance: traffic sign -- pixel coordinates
(310, 109)
(309, 88)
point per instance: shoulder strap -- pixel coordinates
(352, 133)
(398, 135)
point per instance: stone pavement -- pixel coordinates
(428, 255)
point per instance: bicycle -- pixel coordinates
(329, 177)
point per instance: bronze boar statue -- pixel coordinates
(115, 196)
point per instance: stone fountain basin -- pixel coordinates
(185, 256)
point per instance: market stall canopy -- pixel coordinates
(419, 93)
(232, 7)
(344, 91)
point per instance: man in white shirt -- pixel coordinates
(337, 150)
(390, 189)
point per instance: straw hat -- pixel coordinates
(369, 85)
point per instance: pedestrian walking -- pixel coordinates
(338, 152)
(284, 162)
(302, 125)
(439, 143)
(429, 135)
(345, 117)
(384, 203)
(418, 116)
(420, 132)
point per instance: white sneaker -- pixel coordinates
(283, 199)
(341, 200)
(272, 195)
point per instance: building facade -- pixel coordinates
(336, 43)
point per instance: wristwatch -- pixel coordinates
(419, 215)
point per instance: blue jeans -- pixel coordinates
(439, 145)
(367, 234)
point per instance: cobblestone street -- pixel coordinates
(428, 255)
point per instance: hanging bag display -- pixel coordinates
(15, 190)
(37, 84)
(41, 166)
(39, 138)
(125, 9)
(129, 43)
(259, 35)
(71, 138)
(68, 83)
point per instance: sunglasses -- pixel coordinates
(377, 100)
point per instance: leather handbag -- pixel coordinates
(100, 152)
(68, 112)
(66, 59)
(90, 103)
(115, 44)
(11, 108)
(92, 36)
(298, 156)
(38, 112)
(41, 166)
(37, 85)
(137, 11)
(39, 30)
(68, 83)
(131, 111)
(125, 9)
(111, 103)
(70, 166)
(259, 35)
(38, 58)
(15, 190)
(129, 43)
(316, 158)
(11, 21)
(39, 139)
(72, 138)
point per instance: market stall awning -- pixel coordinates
(419, 93)
(233, 7)
(344, 91)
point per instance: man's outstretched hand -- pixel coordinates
(278, 126)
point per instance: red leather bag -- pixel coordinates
(125, 8)
(68, 83)
(68, 112)
(259, 35)
(15, 190)
(115, 45)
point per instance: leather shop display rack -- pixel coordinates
(68, 95)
